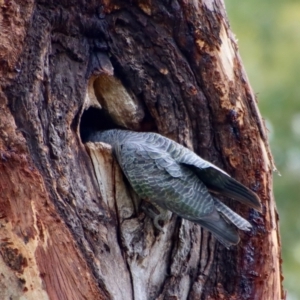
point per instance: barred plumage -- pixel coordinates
(176, 179)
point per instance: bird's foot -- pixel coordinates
(156, 213)
(156, 220)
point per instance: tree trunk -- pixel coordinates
(71, 228)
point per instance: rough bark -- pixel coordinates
(71, 228)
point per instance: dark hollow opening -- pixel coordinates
(95, 119)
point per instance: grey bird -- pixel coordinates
(174, 178)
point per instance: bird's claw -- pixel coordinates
(156, 219)
(162, 215)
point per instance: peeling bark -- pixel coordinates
(70, 226)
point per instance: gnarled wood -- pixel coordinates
(70, 226)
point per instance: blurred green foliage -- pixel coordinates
(268, 34)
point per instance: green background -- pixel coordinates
(268, 34)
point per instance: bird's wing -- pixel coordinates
(152, 169)
(217, 180)
(162, 159)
